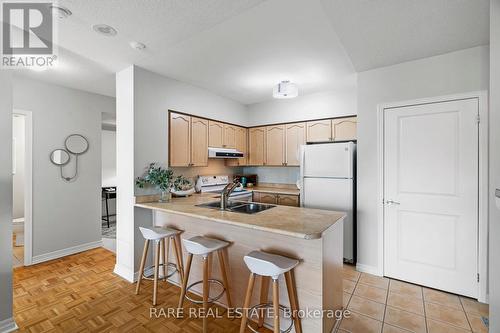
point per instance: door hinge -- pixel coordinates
(478, 118)
(477, 277)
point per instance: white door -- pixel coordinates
(328, 160)
(431, 195)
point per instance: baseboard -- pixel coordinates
(66, 252)
(125, 273)
(373, 270)
(8, 325)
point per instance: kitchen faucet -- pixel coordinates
(226, 192)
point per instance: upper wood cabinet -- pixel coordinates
(319, 130)
(229, 136)
(256, 146)
(199, 142)
(275, 145)
(344, 129)
(295, 137)
(180, 140)
(215, 134)
(242, 146)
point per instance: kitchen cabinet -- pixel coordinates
(295, 137)
(319, 130)
(288, 200)
(344, 129)
(215, 134)
(241, 138)
(229, 136)
(275, 145)
(180, 140)
(256, 146)
(268, 198)
(276, 199)
(199, 142)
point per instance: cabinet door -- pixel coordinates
(241, 145)
(319, 131)
(180, 140)
(199, 142)
(288, 200)
(215, 134)
(295, 137)
(275, 145)
(229, 136)
(268, 198)
(256, 146)
(255, 196)
(344, 129)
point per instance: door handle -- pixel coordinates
(392, 202)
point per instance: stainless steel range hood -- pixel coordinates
(224, 153)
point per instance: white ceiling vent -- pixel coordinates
(285, 89)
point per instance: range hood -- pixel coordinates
(224, 153)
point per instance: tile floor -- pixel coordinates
(17, 254)
(384, 305)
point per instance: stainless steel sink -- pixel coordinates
(238, 207)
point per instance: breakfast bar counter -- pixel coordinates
(315, 237)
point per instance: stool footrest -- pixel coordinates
(210, 300)
(267, 306)
(170, 273)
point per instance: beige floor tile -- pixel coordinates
(375, 281)
(473, 306)
(348, 286)
(406, 303)
(346, 299)
(434, 326)
(375, 294)
(476, 323)
(406, 320)
(404, 288)
(447, 315)
(366, 307)
(357, 323)
(440, 297)
(393, 329)
(352, 275)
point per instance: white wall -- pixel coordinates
(108, 157)
(276, 175)
(5, 198)
(64, 214)
(494, 287)
(462, 71)
(18, 131)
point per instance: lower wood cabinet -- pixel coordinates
(276, 199)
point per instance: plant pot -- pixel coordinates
(165, 196)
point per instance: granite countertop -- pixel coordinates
(272, 189)
(297, 222)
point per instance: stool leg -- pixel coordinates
(205, 294)
(143, 263)
(294, 304)
(276, 306)
(248, 297)
(178, 257)
(162, 256)
(167, 255)
(157, 268)
(185, 280)
(223, 270)
(264, 291)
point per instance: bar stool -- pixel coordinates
(271, 266)
(205, 246)
(160, 236)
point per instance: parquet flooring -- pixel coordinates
(80, 293)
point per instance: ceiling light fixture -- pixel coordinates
(105, 30)
(285, 89)
(60, 12)
(137, 45)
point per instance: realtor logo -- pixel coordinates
(27, 35)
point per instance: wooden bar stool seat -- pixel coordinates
(271, 266)
(205, 247)
(161, 238)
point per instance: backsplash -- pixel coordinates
(276, 175)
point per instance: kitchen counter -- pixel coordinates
(271, 189)
(296, 222)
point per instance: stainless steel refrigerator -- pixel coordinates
(328, 181)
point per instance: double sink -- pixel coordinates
(238, 207)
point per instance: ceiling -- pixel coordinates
(241, 48)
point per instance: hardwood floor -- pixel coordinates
(80, 293)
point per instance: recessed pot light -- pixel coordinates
(137, 45)
(105, 30)
(60, 12)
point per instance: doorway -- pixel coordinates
(433, 187)
(22, 187)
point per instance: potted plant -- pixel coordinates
(159, 177)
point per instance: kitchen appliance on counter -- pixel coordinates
(215, 185)
(328, 181)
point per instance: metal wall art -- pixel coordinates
(75, 145)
